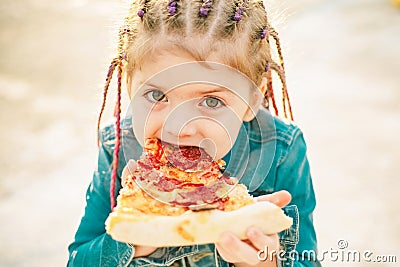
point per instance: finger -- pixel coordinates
(141, 251)
(227, 254)
(259, 240)
(238, 250)
(129, 168)
(280, 198)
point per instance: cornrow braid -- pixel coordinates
(240, 10)
(173, 17)
(264, 33)
(204, 15)
(205, 8)
(233, 12)
(151, 19)
(142, 8)
(172, 4)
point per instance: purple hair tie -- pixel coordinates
(142, 10)
(240, 11)
(205, 8)
(267, 68)
(264, 33)
(140, 13)
(172, 7)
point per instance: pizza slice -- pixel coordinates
(179, 196)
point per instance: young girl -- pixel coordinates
(200, 73)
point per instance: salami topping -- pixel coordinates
(149, 162)
(187, 158)
(201, 195)
(166, 185)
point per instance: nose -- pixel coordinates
(181, 122)
(178, 130)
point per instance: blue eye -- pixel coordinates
(155, 96)
(212, 102)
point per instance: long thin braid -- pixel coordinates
(270, 91)
(285, 95)
(288, 102)
(289, 105)
(116, 62)
(274, 35)
(281, 73)
(268, 32)
(278, 69)
(281, 77)
(124, 36)
(110, 73)
(117, 139)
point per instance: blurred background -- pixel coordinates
(343, 68)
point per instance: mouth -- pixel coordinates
(173, 144)
(188, 158)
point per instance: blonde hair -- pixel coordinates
(237, 32)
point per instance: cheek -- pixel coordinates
(145, 121)
(220, 135)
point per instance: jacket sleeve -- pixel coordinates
(293, 174)
(92, 246)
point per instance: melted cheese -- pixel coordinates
(133, 198)
(238, 197)
(200, 177)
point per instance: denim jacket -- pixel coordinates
(268, 155)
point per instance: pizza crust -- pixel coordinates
(194, 227)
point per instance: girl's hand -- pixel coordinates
(140, 251)
(280, 198)
(244, 252)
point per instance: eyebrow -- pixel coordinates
(210, 91)
(151, 84)
(216, 90)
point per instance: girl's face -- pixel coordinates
(185, 102)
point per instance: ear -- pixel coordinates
(256, 98)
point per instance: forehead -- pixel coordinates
(169, 71)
